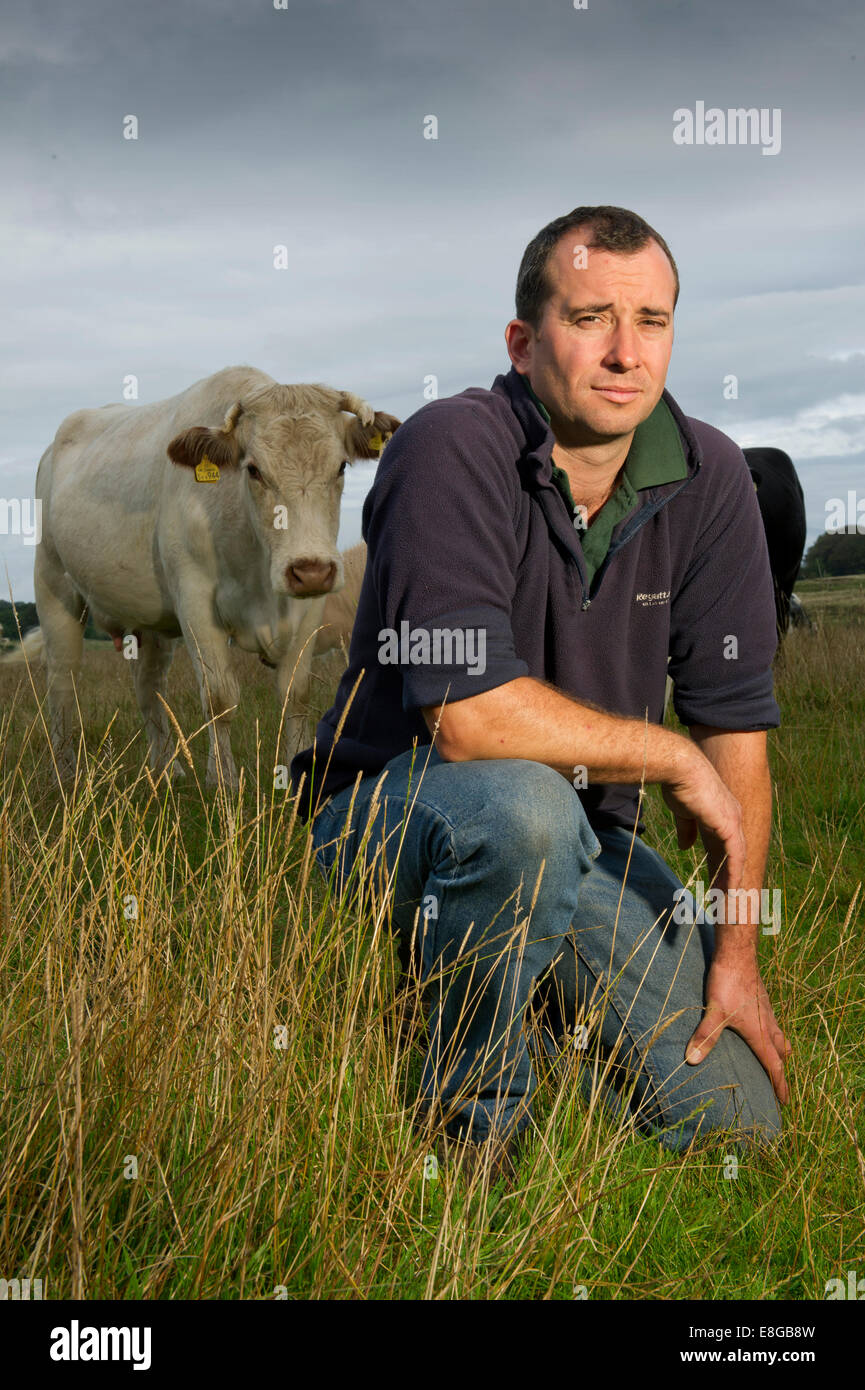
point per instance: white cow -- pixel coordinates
(212, 515)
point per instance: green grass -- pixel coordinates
(180, 989)
(837, 598)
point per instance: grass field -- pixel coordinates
(206, 1091)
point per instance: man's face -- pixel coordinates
(600, 358)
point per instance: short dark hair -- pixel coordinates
(612, 229)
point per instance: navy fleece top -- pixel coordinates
(466, 531)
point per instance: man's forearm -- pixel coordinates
(736, 996)
(741, 762)
(527, 719)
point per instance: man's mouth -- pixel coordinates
(620, 394)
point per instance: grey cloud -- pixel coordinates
(303, 127)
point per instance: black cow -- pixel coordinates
(782, 507)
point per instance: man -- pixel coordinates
(535, 554)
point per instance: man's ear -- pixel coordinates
(221, 447)
(367, 441)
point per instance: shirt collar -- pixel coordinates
(656, 455)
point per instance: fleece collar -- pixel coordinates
(667, 458)
(657, 453)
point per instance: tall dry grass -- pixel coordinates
(210, 1067)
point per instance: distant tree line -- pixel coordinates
(839, 552)
(28, 617)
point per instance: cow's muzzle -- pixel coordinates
(306, 578)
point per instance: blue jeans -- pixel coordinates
(503, 893)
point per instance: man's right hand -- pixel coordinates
(701, 802)
(525, 718)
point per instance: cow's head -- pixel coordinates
(291, 445)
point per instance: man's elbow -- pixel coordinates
(449, 732)
(464, 730)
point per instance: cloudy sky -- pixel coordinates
(304, 127)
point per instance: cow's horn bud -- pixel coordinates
(349, 401)
(232, 417)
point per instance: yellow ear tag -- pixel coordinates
(378, 441)
(206, 471)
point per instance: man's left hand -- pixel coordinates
(736, 998)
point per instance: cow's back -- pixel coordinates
(782, 507)
(106, 480)
(130, 438)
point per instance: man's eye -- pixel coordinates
(254, 473)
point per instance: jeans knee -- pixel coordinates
(735, 1122)
(730, 1093)
(536, 815)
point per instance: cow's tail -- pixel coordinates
(29, 650)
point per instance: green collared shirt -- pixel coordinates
(656, 456)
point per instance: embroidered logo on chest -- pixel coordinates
(652, 600)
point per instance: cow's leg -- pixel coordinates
(218, 687)
(785, 579)
(293, 678)
(149, 670)
(62, 614)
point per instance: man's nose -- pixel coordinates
(623, 349)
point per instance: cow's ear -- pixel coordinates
(366, 441)
(221, 447)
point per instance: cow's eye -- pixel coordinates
(343, 466)
(254, 473)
